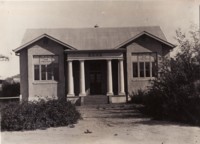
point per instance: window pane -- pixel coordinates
(134, 58)
(46, 67)
(135, 69)
(36, 72)
(141, 69)
(147, 57)
(153, 57)
(49, 72)
(154, 71)
(56, 72)
(147, 68)
(141, 57)
(43, 70)
(45, 60)
(36, 60)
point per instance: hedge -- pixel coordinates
(38, 115)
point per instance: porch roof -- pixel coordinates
(101, 50)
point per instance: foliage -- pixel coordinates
(38, 115)
(10, 89)
(138, 97)
(175, 94)
(4, 58)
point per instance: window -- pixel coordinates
(46, 68)
(144, 65)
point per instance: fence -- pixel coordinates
(4, 100)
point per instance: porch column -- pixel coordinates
(82, 78)
(121, 77)
(70, 79)
(109, 78)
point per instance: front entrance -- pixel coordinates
(95, 78)
(95, 83)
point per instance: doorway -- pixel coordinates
(95, 78)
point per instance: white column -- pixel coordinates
(82, 78)
(20, 98)
(70, 79)
(109, 78)
(121, 77)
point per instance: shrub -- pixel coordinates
(10, 89)
(38, 115)
(138, 97)
(174, 95)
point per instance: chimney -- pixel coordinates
(96, 26)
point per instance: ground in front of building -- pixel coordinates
(109, 124)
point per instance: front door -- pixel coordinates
(95, 83)
(95, 78)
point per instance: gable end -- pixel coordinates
(46, 38)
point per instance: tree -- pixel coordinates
(4, 58)
(175, 94)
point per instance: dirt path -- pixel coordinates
(111, 124)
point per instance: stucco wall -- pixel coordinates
(44, 89)
(143, 44)
(24, 74)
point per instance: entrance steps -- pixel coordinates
(95, 100)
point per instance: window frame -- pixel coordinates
(137, 62)
(46, 80)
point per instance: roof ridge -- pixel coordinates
(155, 26)
(92, 38)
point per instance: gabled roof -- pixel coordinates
(148, 34)
(93, 38)
(17, 50)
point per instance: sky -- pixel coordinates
(17, 16)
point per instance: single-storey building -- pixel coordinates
(76, 63)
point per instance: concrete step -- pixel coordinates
(95, 100)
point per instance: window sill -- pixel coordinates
(45, 82)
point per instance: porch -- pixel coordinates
(95, 74)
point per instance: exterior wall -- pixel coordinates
(142, 45)
(43, 89)
(24, 75)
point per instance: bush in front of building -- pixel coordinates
(175, 95)
(38, 115)
(171, 99)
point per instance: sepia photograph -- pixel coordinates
(100, 72)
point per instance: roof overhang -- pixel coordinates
(17, 50)
(114, 54)
(102, 50)
(171, 46)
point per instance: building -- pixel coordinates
(13, 79)
(80, 62)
